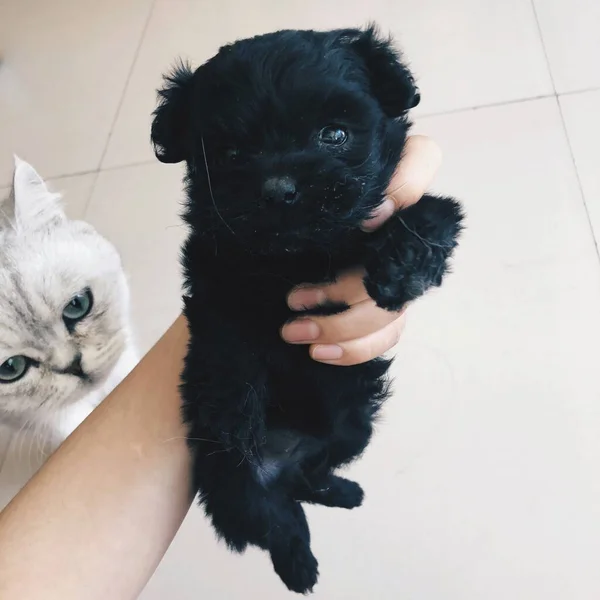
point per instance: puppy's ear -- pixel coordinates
(391, 81)
(171, 125)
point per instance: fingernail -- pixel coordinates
(327, 352)
(302, 330)
(381, 214)
(305, 298)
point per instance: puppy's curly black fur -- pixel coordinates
(290, 141)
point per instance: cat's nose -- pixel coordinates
(280, 190)
(75, 367)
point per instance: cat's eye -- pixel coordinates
(79, 307)
(333, 135)
(14, 368)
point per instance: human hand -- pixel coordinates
(364, 331)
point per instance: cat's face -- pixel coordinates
(63, 303)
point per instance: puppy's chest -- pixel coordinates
(202, 253)
(262, 284)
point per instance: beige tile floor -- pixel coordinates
(484, 479)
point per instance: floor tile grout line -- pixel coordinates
(88, 200)
(138, 163)
(97, 172)
(93, 171)
(51, 178)
(462, 109)
(543, 43)
(579, 184)
(127, 82)
(120, 103)
(454, 111)
(588, 90)
(566, 133)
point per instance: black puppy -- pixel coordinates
(290, 141)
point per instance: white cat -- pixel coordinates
(65, 338)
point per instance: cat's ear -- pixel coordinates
(171, 135)
(30, 204)
(392, 83)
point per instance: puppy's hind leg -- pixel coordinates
(243, 511)
(289, 546)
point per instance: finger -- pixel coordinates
(414, 174)
(361, 350)
(421, 159)
(348, 288)
(359, 321)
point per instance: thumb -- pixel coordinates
(414, 174)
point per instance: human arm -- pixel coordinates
(97, 518)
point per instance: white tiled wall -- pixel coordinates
(483, 481)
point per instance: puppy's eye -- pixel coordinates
(13, 368)
(333, 135)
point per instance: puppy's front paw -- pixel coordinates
(410, 253)
(391, 286)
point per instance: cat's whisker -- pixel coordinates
(33, 441)
(20, 436)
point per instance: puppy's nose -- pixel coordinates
(280, 190)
